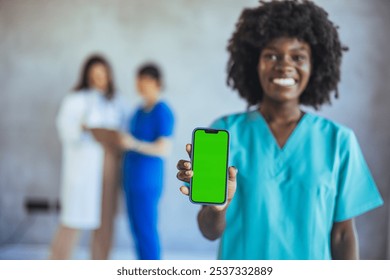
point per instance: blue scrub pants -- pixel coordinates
(142, 207)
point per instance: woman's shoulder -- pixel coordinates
(235, 119)
(75, 97)
(328, 126)
(163, 104)
(163, 107)
(239, 117)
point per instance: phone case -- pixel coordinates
(209, 130)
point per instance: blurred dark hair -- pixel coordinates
(301, 19)
(83, 83)
(151, 70)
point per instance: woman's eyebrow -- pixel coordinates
(300, 49)
(270, 48)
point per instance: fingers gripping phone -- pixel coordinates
(210, 154)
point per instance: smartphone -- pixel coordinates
(210, 156)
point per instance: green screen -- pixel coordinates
(209, 163)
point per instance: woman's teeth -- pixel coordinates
(284, 81)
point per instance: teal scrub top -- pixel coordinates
(287, 199)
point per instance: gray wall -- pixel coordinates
(44, 42)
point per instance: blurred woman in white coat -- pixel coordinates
(90, 170)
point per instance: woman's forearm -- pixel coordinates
(211, 222)
(161, 147)
(344, 241)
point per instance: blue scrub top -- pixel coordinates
(288, 198)
(145, 171)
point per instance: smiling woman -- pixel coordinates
(302, 178)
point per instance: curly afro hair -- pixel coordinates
(289, 18)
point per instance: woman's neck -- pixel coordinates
(280, 112)
(101, 90)
(151, 102)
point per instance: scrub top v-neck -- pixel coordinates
(280, 153)
(288, 198)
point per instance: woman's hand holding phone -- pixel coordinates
(185, 174)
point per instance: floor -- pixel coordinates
(40, 252)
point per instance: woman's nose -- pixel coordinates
(284, 63)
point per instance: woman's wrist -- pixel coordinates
(219, 208)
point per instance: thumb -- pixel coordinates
(189, 149)
(232, 173)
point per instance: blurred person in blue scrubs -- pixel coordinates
(90, 169)
(296, 180)
(147, 144)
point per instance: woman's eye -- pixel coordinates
(270, 56)
(299, 58)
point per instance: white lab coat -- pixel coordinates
(82, 162)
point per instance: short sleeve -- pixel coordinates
(357, 192)
(165, 120)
